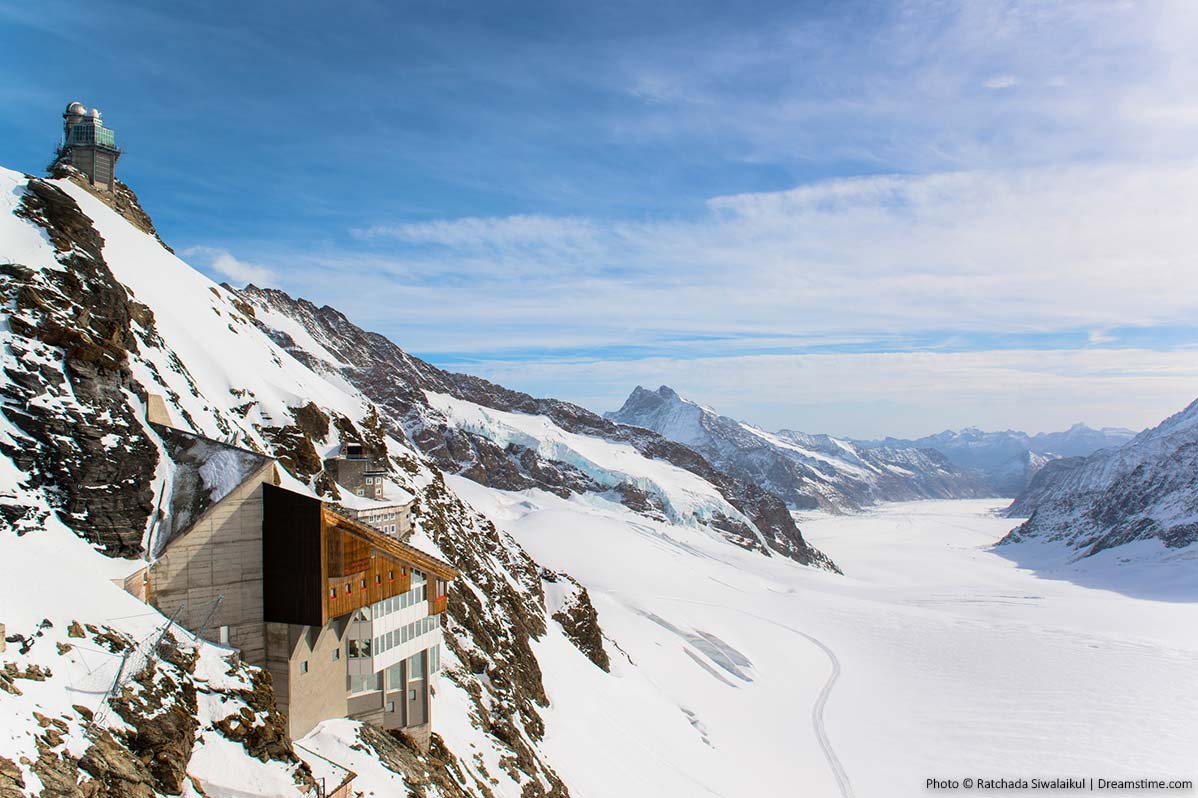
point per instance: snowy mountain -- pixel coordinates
(1144, 492)
(808, 471)
(617, 629)
(101, 315)
(1008, 460)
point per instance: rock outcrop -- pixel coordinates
(68, 379)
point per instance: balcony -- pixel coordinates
(436, 606)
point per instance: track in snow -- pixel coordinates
(817, 709)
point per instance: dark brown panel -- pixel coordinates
(293, 582)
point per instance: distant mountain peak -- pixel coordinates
(808, 471)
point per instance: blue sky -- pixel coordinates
(858, 218)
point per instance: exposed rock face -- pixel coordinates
(1145, 489)
(142, 748)
(81, 323)
(577, 617)
(396, 381)
(121, 199)
(807, 471)
(493, 638)
(435, 771)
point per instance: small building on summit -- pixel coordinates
(364, 475)
(359, 470)
(346, 619)
(89, 146)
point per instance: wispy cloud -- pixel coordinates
(898, 393)
(1001, 82)
(224, 264)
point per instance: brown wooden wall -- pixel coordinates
(363, 574)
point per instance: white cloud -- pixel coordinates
(1001, 82)
(240, 272)
(904, 394)
(1034, 250)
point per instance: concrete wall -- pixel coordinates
(221, 554)
(319, 694)
(352, 474)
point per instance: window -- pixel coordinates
(369, 480)
(391, 639)
(304, 666)
(403, 635)
(332, 592)
(362, 583)
(391, 576)
(362, 684)
(390, 706)
(434, 658)
(337, 654)
(415, 667)
(223, 635)
(347, 588)
(359, 649)
(395, 677)
(358, 491)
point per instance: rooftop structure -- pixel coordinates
(88, 145)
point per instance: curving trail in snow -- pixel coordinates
(817, 709)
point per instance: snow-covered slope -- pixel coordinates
(530, 442)
(1141, 497)
(99, 315)
(1008, 460)
(809, 471)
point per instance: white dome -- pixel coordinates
(94, 113)
(76, 109)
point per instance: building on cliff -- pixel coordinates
(364, 476)
(89, 146)
(346, 619)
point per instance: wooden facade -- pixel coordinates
(319, 565)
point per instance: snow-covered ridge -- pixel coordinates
(808, 471)
(1143, 492)
(1008, 460)
(686, 498)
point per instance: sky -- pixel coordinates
(860, 218)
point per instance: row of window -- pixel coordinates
(91, 133)
(394, 674)
(417, 594)
(405, 633)
(362, 684)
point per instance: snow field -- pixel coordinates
(952, 660)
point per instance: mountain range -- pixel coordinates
(630, 590)
(808, 471)
(1144, 492)
(1008, 460)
